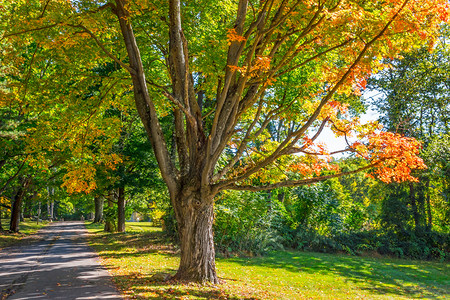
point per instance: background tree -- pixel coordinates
(437, 156)
(414, 101)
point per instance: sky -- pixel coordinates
(333, 143)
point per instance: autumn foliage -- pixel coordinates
(248, 86)
(360, 33)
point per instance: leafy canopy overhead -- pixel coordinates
(229, 72)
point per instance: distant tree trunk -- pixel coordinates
(38, 212)
(121, 209)
(430, 217)
(195, 220)
(52, 206)
(48, 209)
(269, 200)
(17, 204)
(98, 202)
(109, 220)
(1, 227)
(281, 196)
(421, 204)
(412, 197)
(52, 209)
(26, 209)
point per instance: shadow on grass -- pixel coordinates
(26, 235)
(119, 244)
(378, 276)
(139, 286)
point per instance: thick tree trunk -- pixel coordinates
(17, 205)
(195, 220)
(194, 215)
(98, 202)
(121, 210)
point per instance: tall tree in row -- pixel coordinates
(226, 70)
(35, 139)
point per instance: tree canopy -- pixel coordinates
(226, 72)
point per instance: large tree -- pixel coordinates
(226, 70)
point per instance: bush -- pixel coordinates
(256, 223)
(406, 244)
(170, 225)
(246, 223)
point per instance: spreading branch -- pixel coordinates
(293, 183)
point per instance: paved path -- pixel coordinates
(61, 266)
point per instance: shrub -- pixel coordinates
(246, 223)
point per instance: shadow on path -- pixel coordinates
(61, 266)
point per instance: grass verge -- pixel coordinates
(27, 229)
(134, 257)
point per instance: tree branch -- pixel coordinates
(100, 44)
(292, 183)
(292, 139)
(30, 30)
(144, 105)
(12, 177)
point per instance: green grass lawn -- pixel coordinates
(26, 230)
(133, 257)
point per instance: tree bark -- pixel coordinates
(17, 205)
(109, 222)
(98, 202)
(195, 219)
(121, 209)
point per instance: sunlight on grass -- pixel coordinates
(141, 227)
(134, 257)
(26, 229)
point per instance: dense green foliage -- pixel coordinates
(414, 100)
(317, 218)
(276, 275)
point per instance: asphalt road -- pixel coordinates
(61, 266)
